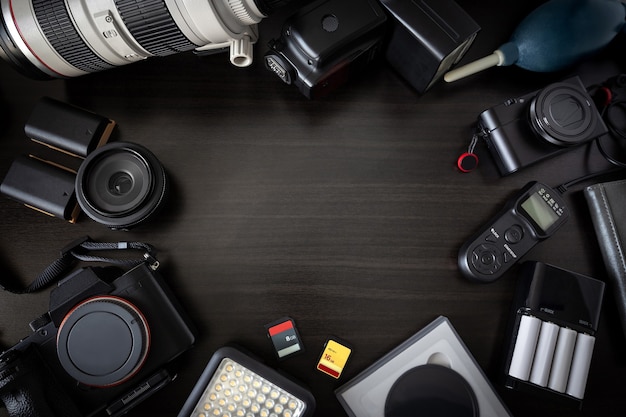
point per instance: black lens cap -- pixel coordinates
(431, 390)
(563, 115)
(103, 341)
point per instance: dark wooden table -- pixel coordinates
(345, 213)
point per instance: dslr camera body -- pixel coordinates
(325, 43)
(540, 125)
(101, 349)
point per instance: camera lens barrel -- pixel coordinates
(69, 38)
(121, 185)
(162, 36)
(563, 115)
(55, 22)
(13, 55)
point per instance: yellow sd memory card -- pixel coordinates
(334, 358)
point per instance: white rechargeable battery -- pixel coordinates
(542, 363)
(580, 365)
(525, 345)
(562, 359)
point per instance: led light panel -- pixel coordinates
(235, 385)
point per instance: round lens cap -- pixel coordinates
(103, 341)
(563, 115)
(431, 390)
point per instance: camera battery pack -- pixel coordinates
(67, 128)
(427, 38)
(42, 186)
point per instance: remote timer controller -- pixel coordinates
(532, 215)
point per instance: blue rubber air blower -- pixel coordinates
(554, 36)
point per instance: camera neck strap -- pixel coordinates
(80, 250)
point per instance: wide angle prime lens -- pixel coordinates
(120, 185)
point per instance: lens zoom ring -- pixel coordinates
(59, 29)
(152, 25)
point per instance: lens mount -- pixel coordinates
(103, 341)
(120, 185)
(563, 115)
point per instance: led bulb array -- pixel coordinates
(236, 391)
(235, 385)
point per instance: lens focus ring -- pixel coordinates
(152, 25)
(59, 29)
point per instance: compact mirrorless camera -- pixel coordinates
(540, 125)
(102, 348)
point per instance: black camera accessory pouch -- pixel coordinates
(607, 206)
(78, 251)
(29, 389)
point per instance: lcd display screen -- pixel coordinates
(539, 211)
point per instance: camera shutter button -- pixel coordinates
(514, 234)
(330, 23)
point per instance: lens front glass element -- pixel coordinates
(118, 183)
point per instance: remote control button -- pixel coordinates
(486, 258)
(514, 234)
(491, 238)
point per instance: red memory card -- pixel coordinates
(284, 337)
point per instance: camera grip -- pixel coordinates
(29, 389)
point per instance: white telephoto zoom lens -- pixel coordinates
(70, 38)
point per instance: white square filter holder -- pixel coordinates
(436, 344)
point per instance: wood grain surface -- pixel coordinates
(344, 213)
